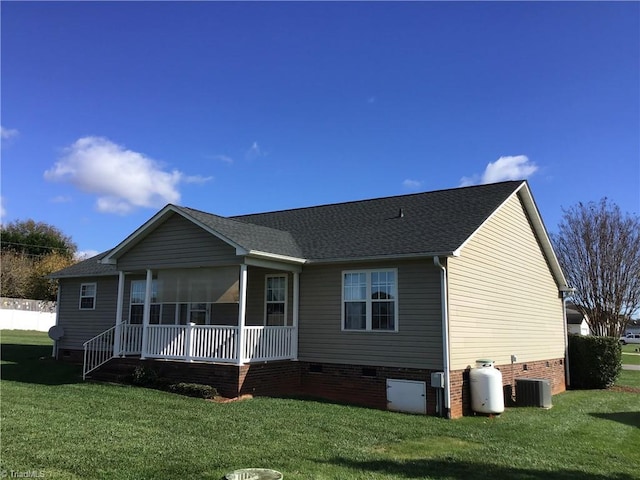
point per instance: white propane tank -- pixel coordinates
(486, 388)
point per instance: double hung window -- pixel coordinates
(370, 300)
(88, 296)
(136, 312)
(275, 311)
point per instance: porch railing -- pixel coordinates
(98, 351)
(130, 339)
(219, 343)
(191, 342)
(268, 343)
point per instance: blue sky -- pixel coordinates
(111, 110)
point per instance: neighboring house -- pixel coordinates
(576, 321)
(356, 302)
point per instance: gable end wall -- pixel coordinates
(503, 299)
(177, 242)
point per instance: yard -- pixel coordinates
(56, 426)
(631, 354)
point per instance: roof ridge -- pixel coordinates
(365, 200)
(234, 219)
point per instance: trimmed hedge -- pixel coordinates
(594, 362)
(194, 390)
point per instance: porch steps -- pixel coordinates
(116, 370)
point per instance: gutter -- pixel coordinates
(445, 335)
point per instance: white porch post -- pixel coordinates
(117, 342)
(146, 315)
(242, 312)
(296, 307)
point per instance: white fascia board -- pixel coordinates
(259, 258)
(543, 237)
(272, 264)
(159, 217)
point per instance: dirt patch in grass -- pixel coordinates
(220, 399)
(623, 388)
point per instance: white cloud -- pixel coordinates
(517, 167)
(412, 184)
(3, 211)
(223, 158)
(7, 133)
(85, 254)
(254, 152)
(61, 199)
(122, 179)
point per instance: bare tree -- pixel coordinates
(599, 250)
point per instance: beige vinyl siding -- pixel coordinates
(178, 243)
(418, 342)
(503, 299)
(82, 325)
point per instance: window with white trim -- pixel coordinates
(275, 309)
(370, 300)
(136, 309)
(88, 296)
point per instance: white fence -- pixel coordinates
(21, 314)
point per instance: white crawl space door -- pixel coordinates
(407, 396)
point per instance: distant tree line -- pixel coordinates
(29, 252)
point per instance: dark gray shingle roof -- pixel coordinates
(247, 235)
(436, 222)
(431, 222)
(90, 267)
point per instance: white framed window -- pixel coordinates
(370, 300)
(275, 293)
(136, 308)
(88, 296)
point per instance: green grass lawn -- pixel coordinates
(57, 425)
(631, 354)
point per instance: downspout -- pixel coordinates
(565, 295)
(445, 336)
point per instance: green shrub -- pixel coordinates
(594, 362)
(144, 376)
(194, 390)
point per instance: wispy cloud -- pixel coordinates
(412, 184)
(61, 199)
(254, 152)
(122, 179)
(85, 254)
(3, 211)
(517, 167)
(7, 133)
(223, 158)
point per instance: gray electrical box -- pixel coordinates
(437, 379)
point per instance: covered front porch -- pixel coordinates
(225, 314)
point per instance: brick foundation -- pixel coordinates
(351, 384)
(552, 370)
(71, 356)
(358, 384)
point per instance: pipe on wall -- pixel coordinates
(445, 335)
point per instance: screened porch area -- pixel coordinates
(232, 314)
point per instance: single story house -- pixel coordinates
(576, 321)
(358, 302)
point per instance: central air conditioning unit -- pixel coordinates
(533, 392)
